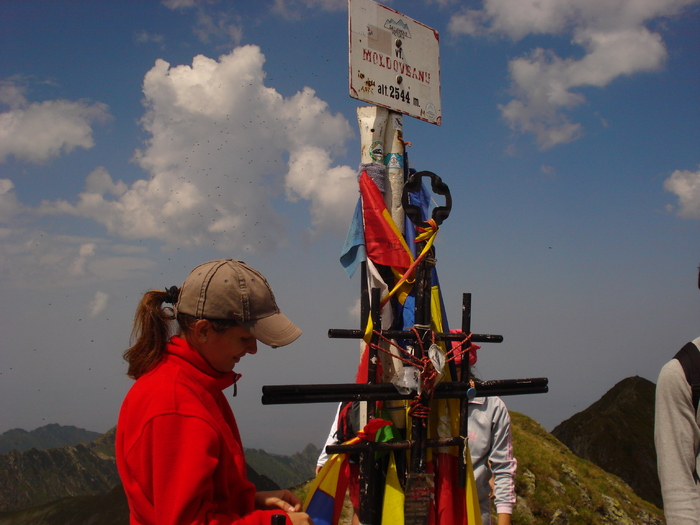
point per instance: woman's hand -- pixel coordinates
(284, 500)
(277, 499)
(300, 518)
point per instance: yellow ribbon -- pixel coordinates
(428, 235)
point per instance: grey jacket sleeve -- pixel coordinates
(677, 438)
(503, 462)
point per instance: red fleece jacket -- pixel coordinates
(178, 449)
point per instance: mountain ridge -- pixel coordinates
(617, 434)
(553, 484)
(48, 436)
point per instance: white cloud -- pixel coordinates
(144, 37)
(294, 8)
(179, 4)
(35, 132)
(37, 259)
(86, 251)
(222, 146)
(686, 185)
(549, 171)
(99, 181)
(354, 310)
(218, 27)
(10, 206)
(612, 34)
(211, 25)
(311, 177)
(12, 95)
(128, 249)
(117, 268)
(98, 304)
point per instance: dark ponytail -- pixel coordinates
(151, 333)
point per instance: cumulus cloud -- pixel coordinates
(144, 37)
(179, 4)
(35, 132)
(37, 259)
(98, 304)
(612, 35)
(311, 177)
(293, 8)
(686, 185)
(222, 147)
(99, 181)
(85, 252)
(219, 27)
(10, 206)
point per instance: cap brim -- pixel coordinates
(275, 330)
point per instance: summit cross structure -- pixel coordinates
(407, 364)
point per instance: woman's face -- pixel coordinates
(223, 350)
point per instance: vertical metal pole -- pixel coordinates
(369, 513)
(372, 121)
(364, 297)
(422, 317)
(394, 161)
(464, 378)
(420, 485)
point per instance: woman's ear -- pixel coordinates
(201, 330)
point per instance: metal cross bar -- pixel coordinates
(338, 392)
(342, 333)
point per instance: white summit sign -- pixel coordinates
(394, 61)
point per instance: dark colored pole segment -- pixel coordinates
(391, 445)
(388, 396)
(364, 299)
(278, 519)
(334, 393)
(369, 513)
(422, 327)
(342, 333)
(465, 370)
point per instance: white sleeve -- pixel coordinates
(330, 440)
(503, 462)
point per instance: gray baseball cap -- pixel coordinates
(227, 289)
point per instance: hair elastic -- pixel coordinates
(171, 294)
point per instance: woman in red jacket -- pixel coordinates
(179, 452)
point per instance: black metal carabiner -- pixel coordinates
(440, 213)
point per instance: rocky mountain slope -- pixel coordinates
(35, 477)
(554, 486)
(286, 471)
(42, 438)
(617, 434)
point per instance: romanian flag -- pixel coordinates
(324, 501)
(473, 508)
(326, 496)
(392, 507)
(383, 240)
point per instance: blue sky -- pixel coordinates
(138, 139)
